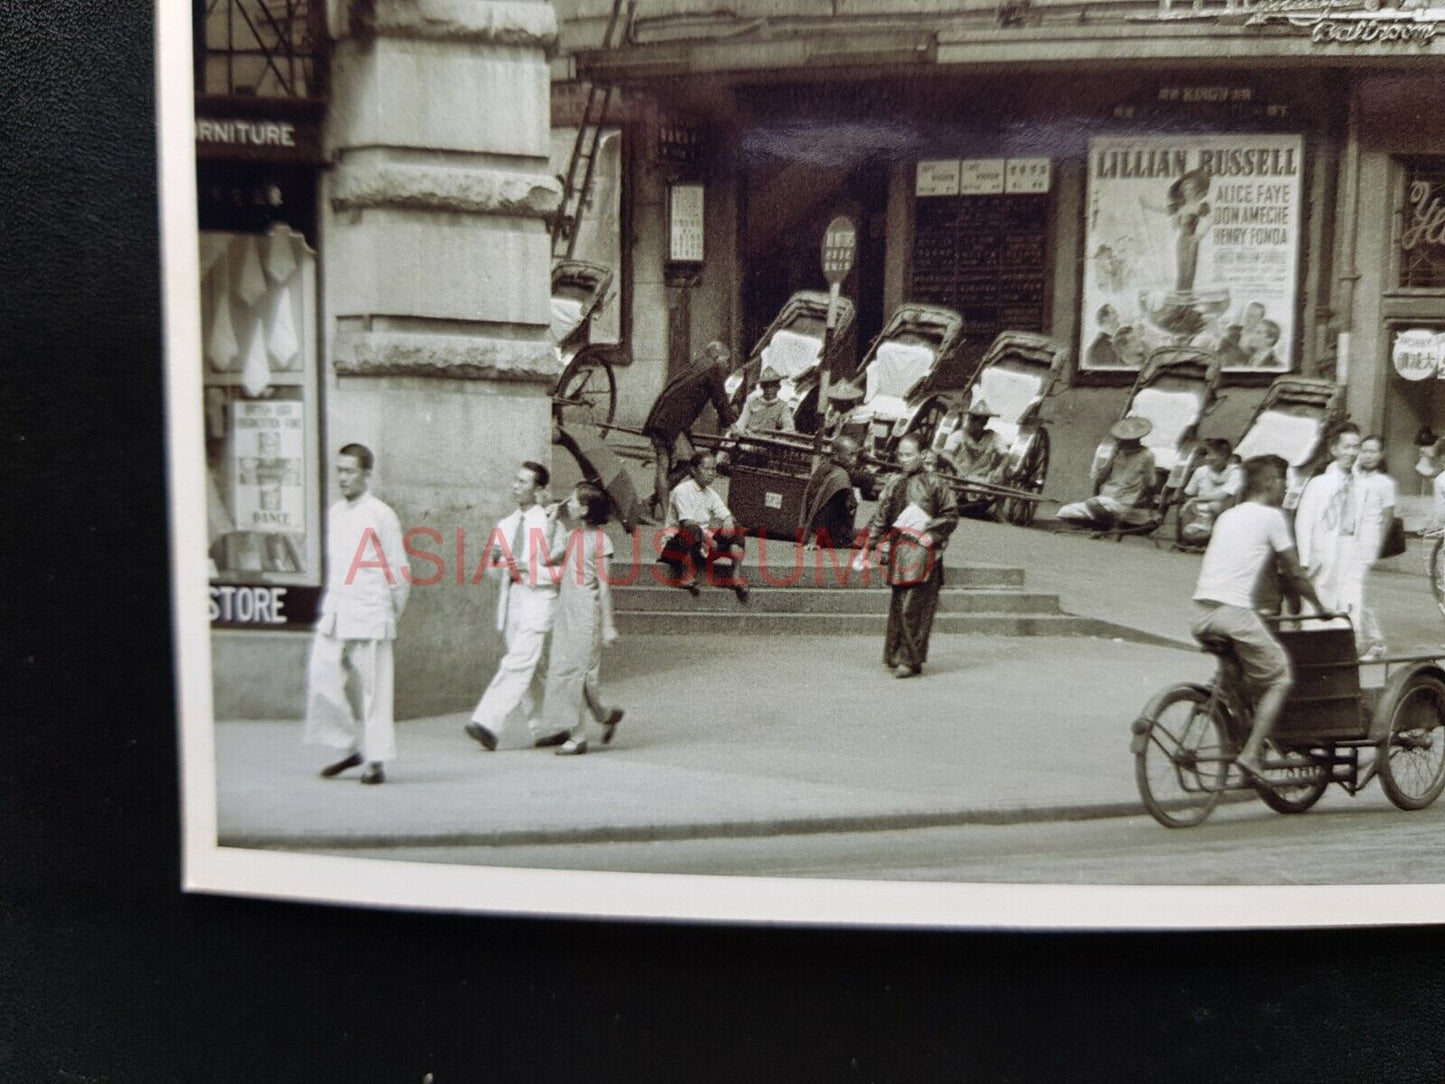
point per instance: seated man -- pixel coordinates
(843, 397)
(763, 411)
(677, 409)
(1125, 483)
(704, 531)
(830, 501)
(974, 448)
(1212, 488)
(1249, 540)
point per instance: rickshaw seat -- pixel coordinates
(566, 315)
(1282, 433)
(791, 354)
(897, 369)
(1171, 412)
(1009, 393)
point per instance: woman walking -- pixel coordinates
(581, 624)
(1377, 513)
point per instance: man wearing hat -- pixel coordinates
(974, 448)
(1125, 481)
(764, 411)
(843, 396)
(669, 423)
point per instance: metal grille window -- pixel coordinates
(261, 48)
(1422, 225)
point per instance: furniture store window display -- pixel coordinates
(258, 354)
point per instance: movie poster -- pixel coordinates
(1192, 240)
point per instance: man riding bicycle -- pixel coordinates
(1250, 540)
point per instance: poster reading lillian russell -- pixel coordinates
(1192, 240)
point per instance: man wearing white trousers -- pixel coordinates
(520, 549)
(366, 590)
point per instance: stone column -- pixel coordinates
(436, 266)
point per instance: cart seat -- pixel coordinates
(897, 369)
(1171, 413)
(1010, 394)
(566, 315)
(1278, 432)
(791, 354)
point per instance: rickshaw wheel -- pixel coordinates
(926, 418)
(1181, 764)
(591, 386)
(1292, 797)
(1412, 765)
(1031, 475)
(1437, 573)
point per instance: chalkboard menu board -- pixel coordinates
(985, 256)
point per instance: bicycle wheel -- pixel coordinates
(1180, 757)
(1437, 573)
(587, 390)
(1412, 768)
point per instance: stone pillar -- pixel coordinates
(436, 265)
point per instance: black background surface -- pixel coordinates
(108, 973)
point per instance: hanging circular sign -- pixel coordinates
(840, 246)
(1417, 353)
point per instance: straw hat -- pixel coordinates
(841, 391)
(769, 375)
(979, 408)
(1131, 428)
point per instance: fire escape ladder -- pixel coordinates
(581, 166)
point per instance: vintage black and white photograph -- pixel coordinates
(868, 461)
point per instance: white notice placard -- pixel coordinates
(938, 177)
(1026, 176)
(981, 177)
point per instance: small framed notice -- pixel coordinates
(685, 223)
(1026, 176)
(981, 177)
(938, 178)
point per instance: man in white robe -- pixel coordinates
(1327, 528)
(520, 547)
(368, 581)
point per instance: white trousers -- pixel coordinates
(508, 698)
(330, 718)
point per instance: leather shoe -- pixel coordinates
(571, 748)
(550, 740)
(609, 725)
(907, 671)
(340, 766)
(373, 774)
(479, 733)
(741, 590)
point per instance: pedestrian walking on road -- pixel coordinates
(581, 625)
(916, 513)
(1330, 530)
(366, 591)
(1377, 492)
(520, 548)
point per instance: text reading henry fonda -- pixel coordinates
(827, 561)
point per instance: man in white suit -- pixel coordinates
(366, 590)
(520, 548)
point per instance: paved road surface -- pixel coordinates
(1362, 840)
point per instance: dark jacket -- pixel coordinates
(926, 489)
(684, 399)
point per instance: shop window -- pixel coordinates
(1421, 246)
(262, 488)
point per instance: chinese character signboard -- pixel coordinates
(1417, 353)
(1193, 240)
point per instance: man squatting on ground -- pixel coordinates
(366, 593)
(916, 513)
(520, 546)
(1248, 539)
(829, 501)
(703, 532)
(1125, 481)
(669, 423)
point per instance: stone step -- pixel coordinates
(744, 620)
(817, 573)
(785, 600)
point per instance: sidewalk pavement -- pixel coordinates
(790, 734)
(740, 737)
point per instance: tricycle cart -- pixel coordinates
(1332, 730)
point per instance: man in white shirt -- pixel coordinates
(1250, 540)
(367, 584)
(704, 531)
(1212, 488)
(519, 549)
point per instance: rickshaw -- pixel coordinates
(1331, 730)
(792, 346)
(1291, 422)
(897, 377)
(1014, 377)
(1174, 390)
(586, 391)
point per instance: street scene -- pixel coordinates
(646, 443)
